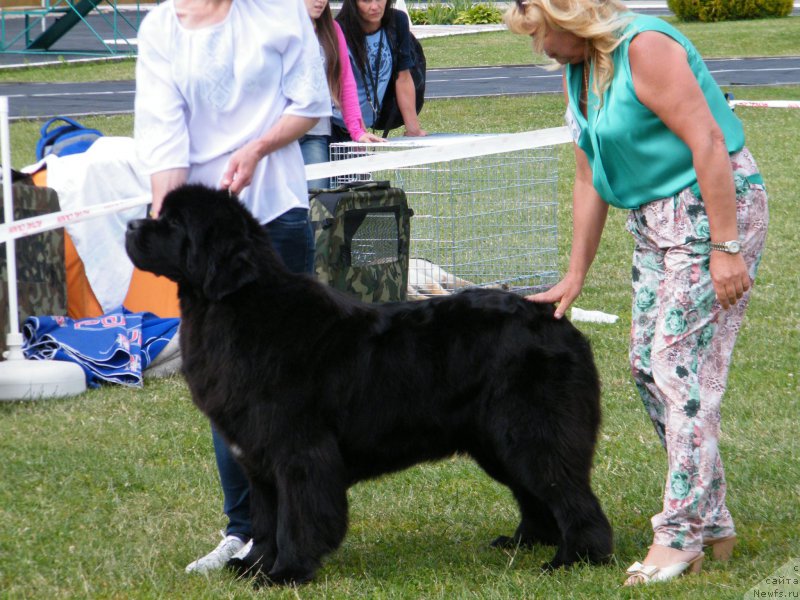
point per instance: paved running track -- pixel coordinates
(40, 100)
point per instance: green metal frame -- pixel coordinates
(34, 38)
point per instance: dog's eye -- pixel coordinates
(168, 219)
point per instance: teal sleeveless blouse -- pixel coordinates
(635, 158)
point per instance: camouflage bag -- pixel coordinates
(41, 274)
(362, 233)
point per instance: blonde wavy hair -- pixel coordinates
(599, 22)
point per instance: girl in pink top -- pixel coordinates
(344, 95)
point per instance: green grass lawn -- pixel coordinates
(111, 494)
(765, 37)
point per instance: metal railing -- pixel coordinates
(37, 29)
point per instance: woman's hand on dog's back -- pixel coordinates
(563, 294)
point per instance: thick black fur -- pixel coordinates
(320, 391)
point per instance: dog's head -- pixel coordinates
(204, 239)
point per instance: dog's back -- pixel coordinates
(445, 368)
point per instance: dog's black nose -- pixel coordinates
(135, 224)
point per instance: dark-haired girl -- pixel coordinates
(366, 24)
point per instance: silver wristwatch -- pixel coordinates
(732, 247)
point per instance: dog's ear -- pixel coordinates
(224, 279)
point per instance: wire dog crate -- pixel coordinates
(487, 221)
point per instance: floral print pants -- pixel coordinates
(681, 345)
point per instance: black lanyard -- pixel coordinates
(372, 78)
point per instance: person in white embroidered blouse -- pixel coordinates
(224, 89)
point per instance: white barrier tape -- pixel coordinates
(31, 225)
(465, 148)
(766, 103)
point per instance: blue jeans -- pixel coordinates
(293, 240)
(315, 150)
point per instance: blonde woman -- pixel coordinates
(654, 135)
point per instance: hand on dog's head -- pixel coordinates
(204, 240)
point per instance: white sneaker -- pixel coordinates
(244, 551)
(217, 558)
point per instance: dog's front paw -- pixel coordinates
(247, 567)
(291, 574)
(241, 567)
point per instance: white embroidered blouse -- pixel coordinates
(203, 93)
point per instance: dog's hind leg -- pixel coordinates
(584, 530)
(312, 512)
(560, 482)
(537, 526)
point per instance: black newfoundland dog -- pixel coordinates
(319, 391)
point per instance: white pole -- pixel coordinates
(13, 338)
(22, 379)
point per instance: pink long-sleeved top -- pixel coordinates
(351, 110)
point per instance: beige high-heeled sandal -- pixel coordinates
(645, 574)
(721, 548)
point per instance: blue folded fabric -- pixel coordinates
(115, 347)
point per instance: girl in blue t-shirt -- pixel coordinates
(365, 24)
